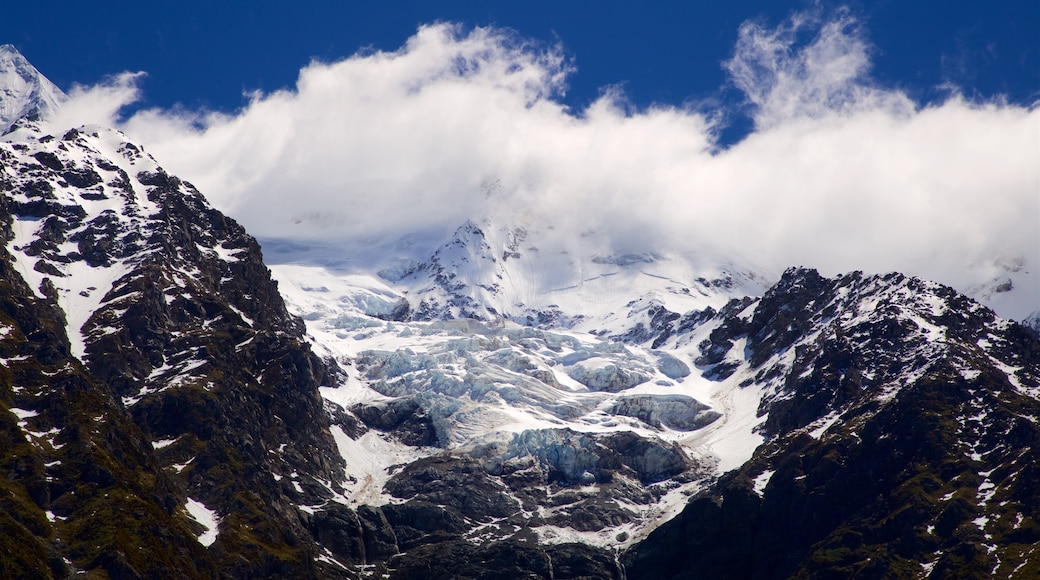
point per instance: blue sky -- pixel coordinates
(203, 54)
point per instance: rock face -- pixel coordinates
(902, 422)
(82, 486)
(161, 312)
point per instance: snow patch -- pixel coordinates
(762, 480)
(207, 518)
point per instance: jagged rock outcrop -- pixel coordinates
(82, 488)
(902, 424)
(509, 559)
(164, 308)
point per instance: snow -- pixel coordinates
(369, 459)
(25, 89)
(607, 537)
(477, 378)
(572, 280)
(35, 436)
(207, 518)
(762, 480)
(824, 424)
(329, 559)
(228, 255)
(732, 439)
(531, 406)
(1011, 372)
(23, 413)
(242, 315)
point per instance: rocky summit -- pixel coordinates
(174, 406)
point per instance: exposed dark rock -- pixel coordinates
(440, 480)
(405, 417)
(49, 160)
(916, 467)
(380, 541)
(505, 559)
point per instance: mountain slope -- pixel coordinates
(83, 488)
(811, 354)
(902, 425)
(25, 94)
(166, 305)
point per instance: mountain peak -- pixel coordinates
(24, 92)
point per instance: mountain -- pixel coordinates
(901, 421)
(25, 94)
(176, 401)
(886, 379)
(198, 390)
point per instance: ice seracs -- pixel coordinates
(526, 352)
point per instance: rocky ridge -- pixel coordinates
(901, 421)
(167, 309)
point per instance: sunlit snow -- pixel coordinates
(205, 517)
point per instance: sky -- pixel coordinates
(867, 135)
(203, 54)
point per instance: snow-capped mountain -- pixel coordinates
(901, 420)
(508, 269)
(163, 311)
(468, 356)
(25, 94)
(502, 402)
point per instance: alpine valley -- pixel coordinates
(503, 402)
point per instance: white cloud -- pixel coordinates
(827, 77)
(839, 173)
(97, 104)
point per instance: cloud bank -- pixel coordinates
(838, 174)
